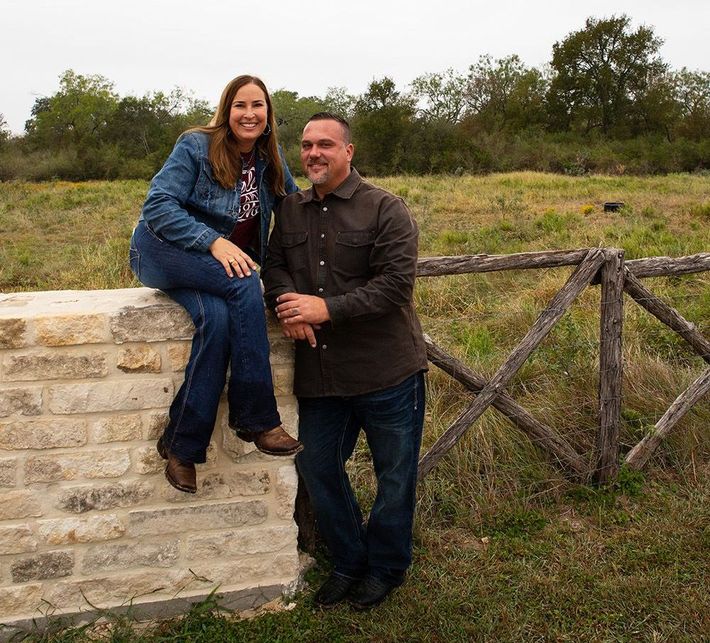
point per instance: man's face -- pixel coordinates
(325, 155)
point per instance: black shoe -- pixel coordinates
(370, 591)
(334, 590)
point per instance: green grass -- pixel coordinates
(559, 562)
(618, 564)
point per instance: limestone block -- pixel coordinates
(8, 472)
(63, 531)
(286, 488)
(51, 564)
(151, 324)
(281, 349)
(55, 365)
(126, 555)
(139, 359)
(117, 428)
(156, 425)
(43, 433)
(233, 446)
(179, 354)
(146, 460)
(222, 484)
(20, 600)
(26, 400)
(17, 539)
(110, 463)
(179, 519)
(19, 504)
(66, 330)
(229, 544)
(288, 410)
(283, 379)
(118, 494)
(109, 591)
(110, 396)
(13, 333)
(283, 566)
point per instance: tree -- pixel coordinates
(338, 101)
(4, 131)
(599, 72)
(383, 118)
(692, 95)
(77, 115)
(441, 97)
(505, 94)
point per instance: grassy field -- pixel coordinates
(506, 548)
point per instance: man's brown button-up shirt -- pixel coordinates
(357, 248)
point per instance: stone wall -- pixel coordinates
(86, 515)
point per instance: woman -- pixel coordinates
(203, 226)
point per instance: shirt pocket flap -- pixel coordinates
(356, 238)
(292, 239)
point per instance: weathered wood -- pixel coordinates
(666, 266)
(640, 454)
(433, 266)
(668, 315)
(610, 364)
(645, 267)
(579, 279)
(539, 433)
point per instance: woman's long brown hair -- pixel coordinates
(223, 151)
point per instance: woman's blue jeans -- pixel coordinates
(392, 420)
(230, 330)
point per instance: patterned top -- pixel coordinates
(246, 229)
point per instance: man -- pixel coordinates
(340, 274)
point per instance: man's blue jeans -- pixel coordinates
(392, 420)
(230, 329)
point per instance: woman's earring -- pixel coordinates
(267, 131)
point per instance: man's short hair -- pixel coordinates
(330, 116)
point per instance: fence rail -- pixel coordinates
(607, 268)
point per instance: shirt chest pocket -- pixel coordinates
(295, 250)
(352, 252)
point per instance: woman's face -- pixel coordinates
(248, 116)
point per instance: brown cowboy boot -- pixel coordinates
(273, 442)
(179, 474)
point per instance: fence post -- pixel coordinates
(610, 364)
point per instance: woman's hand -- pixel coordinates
(232, 258)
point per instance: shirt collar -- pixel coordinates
(344, 191)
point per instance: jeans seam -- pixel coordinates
(193, 362)
(344, 477)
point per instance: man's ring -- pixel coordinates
(294, 312)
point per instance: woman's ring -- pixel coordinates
(231, 260)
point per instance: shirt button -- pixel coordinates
(322, 236)
(325, 208)
(322, 263)
(320, 290)
(325, 346)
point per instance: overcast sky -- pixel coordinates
(149, 45)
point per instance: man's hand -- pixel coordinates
(296, 309)
(300, 331)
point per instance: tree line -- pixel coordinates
(605, 102)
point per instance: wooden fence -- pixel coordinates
(595, 266)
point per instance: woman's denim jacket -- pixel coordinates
(188, 207)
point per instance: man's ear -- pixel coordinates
(350, 150)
